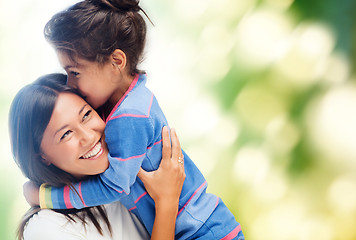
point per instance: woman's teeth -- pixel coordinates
(94, 151)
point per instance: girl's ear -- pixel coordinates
(118, 59)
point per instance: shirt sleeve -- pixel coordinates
(127, 137)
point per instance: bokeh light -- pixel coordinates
(262, 94)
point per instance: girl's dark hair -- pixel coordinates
(93, 29)
(30, 113)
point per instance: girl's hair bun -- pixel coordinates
(118, 5)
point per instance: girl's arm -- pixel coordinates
(164, 185)
(128, 139)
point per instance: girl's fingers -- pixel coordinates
(166, 145)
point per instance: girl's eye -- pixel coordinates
(75, 74)
(66, 134)
(87, 114)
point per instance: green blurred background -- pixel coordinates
(261, 92)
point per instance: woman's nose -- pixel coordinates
(87, 137)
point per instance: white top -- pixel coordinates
(50, 225)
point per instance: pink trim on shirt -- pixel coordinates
(120, 191)
(191, 197)
(217, 201)
(80, 194)
(132, 85)
(129, 115)
(149, 108)
(66, 197)
(126, 159)
(232, 234)
(155, 143)
(134, 115)
(132, 208)
(143, 194)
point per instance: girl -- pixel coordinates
(43, 152)
(100, 43)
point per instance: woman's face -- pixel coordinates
(74, 138)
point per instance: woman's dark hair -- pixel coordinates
(93, 29)
(30, 113)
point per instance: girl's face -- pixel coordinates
(74, 138)
(97, 83)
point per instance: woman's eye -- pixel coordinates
(87, 114)
(66, 134)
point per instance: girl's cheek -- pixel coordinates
(83, 88)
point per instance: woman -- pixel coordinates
(48, 107)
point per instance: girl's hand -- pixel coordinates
(165, 184)
(31, 193)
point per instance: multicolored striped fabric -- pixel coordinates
(45, 196)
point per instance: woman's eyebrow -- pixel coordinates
(81, 110)
(60, 130)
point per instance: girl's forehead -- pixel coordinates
(67, 60)
(64, 58)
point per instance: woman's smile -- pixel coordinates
(94, 152)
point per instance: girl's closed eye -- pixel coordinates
(75, 74)
(65, 134)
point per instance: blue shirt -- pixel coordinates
(133, 135)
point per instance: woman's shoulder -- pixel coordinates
(48, 224)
